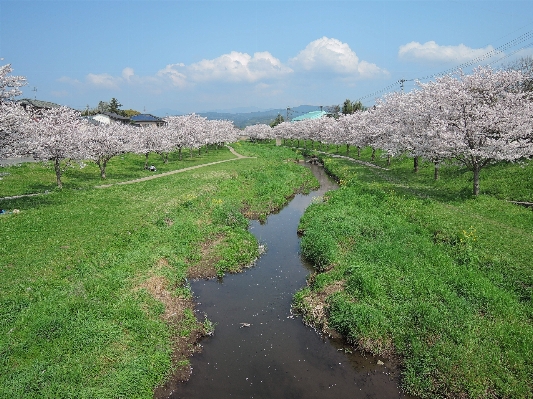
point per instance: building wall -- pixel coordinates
(102, 119)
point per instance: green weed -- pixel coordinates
(429, 273)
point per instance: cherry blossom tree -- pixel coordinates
(102, 142)
(12, 116)
(362, 130)
(54, 135)
(354, 130)
(262, 131)
(224, 131)
(413, 127)
(178, 131)
(9, 85)
(145, 140)
(13, 120)
(486, 118)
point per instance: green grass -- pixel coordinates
(76, 320)
(506, 181)
(38, 177)
(429, 273)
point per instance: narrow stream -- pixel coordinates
(276, 356)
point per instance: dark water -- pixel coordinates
(277, 356)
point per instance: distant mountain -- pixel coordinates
(162, 112)
(243, 119)
(239, 110)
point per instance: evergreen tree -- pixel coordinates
(279, 119)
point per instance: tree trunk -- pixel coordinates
(146, 160)
(388, 159)
(348, 149)
(190, 152)
(415, 164)
(476, 180)
(102, 163)
(179, 152)
(373, 157)
(358, 152)
(436, 173)
(57, 167)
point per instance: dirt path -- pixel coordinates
(371, 165)
(239, 156)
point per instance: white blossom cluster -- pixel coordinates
(476, 119)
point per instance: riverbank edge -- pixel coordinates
(184, 347)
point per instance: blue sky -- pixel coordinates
(195, 56)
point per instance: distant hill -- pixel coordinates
(243, 119)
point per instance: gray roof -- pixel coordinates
(112, 115)
(145, 118)
(37, 103)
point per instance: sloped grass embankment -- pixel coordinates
(94, 295)
(442, 282)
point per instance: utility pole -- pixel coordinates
(402, 81)
(288, 109)
(35, 90)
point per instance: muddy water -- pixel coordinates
(274, 355)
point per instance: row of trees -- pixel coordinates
(476, 119)
(112, 106)
(58, 134)
(61, 133)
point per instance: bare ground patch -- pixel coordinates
(186, 329)
(314, 308)
(205, 268)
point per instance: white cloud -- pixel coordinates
(261, 70)
(331, 55)
(103, 80)
(128, 73)
(433, 52)
(172, 72)
(232, 67)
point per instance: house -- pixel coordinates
(36, 105)
(146, 120)
(108, 117)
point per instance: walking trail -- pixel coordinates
(238, 156)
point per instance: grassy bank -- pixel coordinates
(94, 295)
(419, 270)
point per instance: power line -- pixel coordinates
(520, 39)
